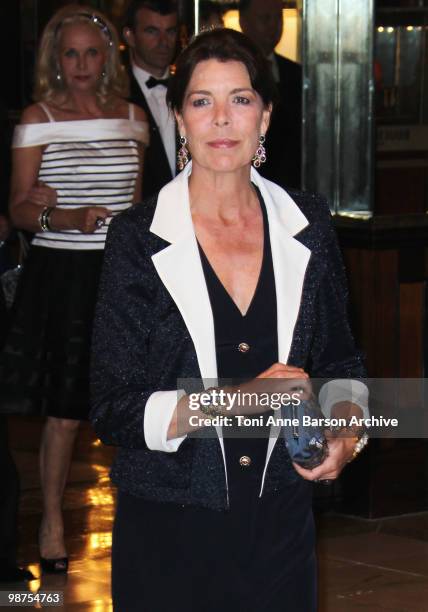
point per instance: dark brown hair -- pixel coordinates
(224, 45)
(163, 7)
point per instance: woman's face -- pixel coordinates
(222, 116)
(82, 56)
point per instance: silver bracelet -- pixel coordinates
(44, 219)
(360, 445)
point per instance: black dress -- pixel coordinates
(258, 556)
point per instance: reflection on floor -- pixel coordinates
(366, 566)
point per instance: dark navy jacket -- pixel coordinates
(154, 326)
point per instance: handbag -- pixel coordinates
(10, 278)
(306, 443)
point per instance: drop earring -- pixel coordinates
(260, 155)
(183, 154)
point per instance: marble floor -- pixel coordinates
(369, 566)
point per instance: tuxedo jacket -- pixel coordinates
(156, 168)
(154, 325)
(283, 139)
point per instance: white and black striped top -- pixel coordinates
(90, 163)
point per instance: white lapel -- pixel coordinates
(290, 259)
(179, 267)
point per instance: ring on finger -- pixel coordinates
(99, 222)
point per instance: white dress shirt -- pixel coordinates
(156, 99)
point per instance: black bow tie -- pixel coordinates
(152, 82)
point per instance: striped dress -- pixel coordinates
(44, 365)
(89, 163)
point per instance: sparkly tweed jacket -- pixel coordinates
(154, 325)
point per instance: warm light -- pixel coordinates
(101, 469)
(100, 541)
(390, 30)
(98, 605)
(98, 442)
(99, 496)
(122, 47)
(289, 43)
(231, 20)
(410, 28)
(102, 476)
(34, 585)
(100, 499)
(381, 29)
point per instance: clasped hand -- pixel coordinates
(85, 219)
(340, 448)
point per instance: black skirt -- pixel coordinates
(258, 556)
(44, 365)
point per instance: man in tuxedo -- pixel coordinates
(261, 20)
(151, 34)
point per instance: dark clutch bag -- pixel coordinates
(10, 273)
(306, 444)
(9, 283)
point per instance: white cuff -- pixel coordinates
(157, 417)
(344, 390)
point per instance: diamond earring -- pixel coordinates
(183, 154)
(260, 155)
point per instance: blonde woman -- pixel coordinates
(77, 160)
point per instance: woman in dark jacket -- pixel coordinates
(223, 275)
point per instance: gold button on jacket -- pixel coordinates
(245, 461)
(243, 347)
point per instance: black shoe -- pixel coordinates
(54, 566)
(13, 573)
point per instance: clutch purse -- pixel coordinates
(9, 278)
(9, 283)
(306, 443)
